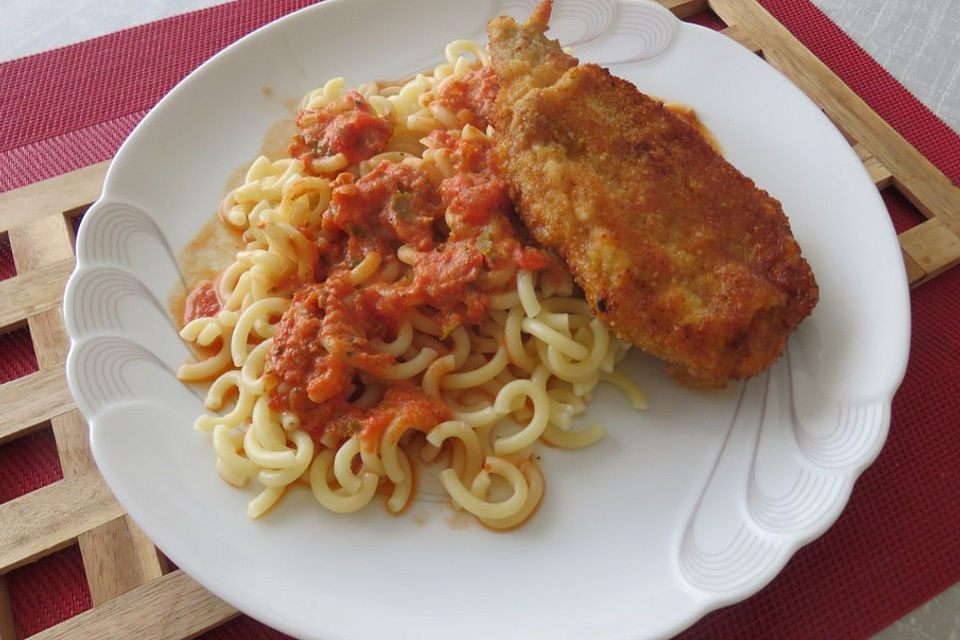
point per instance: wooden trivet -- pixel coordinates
(132, 586)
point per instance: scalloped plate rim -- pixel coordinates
(130, 502)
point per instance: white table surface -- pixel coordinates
(917, 41)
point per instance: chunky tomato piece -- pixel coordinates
(202, 302)
(348, 125)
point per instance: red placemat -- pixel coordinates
(895, 545)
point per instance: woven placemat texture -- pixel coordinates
(895, 545)
(73, 106)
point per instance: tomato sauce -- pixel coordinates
(461, 231)
(348, 125)
(394, 201)
(203, 301)
(471, 97)
(403, 403)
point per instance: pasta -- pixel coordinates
(384, 312)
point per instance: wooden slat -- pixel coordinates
(915, 272)
(879, 173)
(50, 340)
(172, 607)
(7, 628)
(73, 446)
(118, 557)
(42, 521)
(63, 193)
(932, 246)
(45, 242)
(737, 34)
(33, 292)
(31, 400)
(930, 191)
(684, 8)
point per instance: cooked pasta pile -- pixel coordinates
(385, 311)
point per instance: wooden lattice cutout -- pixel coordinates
(131, 585)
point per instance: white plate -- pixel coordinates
(694, 504)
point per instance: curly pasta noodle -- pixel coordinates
(417, 354)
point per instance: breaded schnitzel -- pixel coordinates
(675, 249)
